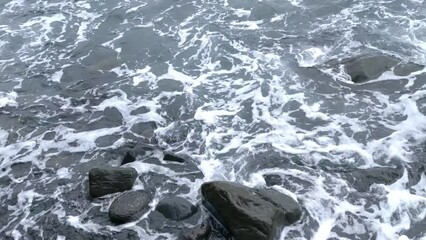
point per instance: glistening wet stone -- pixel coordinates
(129, 206)
(176, 208)
(247, 213)
(107, 180)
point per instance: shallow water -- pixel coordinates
(241, 88)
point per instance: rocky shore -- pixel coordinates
(226, 210)
(229, 210)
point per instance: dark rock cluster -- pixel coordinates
(231, 210)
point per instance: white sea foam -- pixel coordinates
(8, 99)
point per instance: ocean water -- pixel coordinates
(242, 89)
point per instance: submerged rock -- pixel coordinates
(144, 129)
(176, 208)
(129, 206)
(249, 213)
(369, 67)
(20, 169)
(272, 179)
(107, 180)
(173, 158)
(199, 232)
(362, 179)
(138, 151)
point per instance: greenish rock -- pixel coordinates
(249, 213)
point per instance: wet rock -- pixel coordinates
(199, 232)
(106, 141)
(141, 110)
(12, 138)
(5, 181)
(129, 206)
(109, 118)
(101, 58)
(249, 213)
(107, 180)
(415, 172)
(369, 67)
(20, 169)
(362, 69)
(127, 235)
(169, 85)
(136, 151)
(53, 228)
(4, 215)
(129, 157)
(176, 208)
(362, 179)
(145, 129)
(272, 180)
(262, 11)
(112, 114)
(49, 136)
(407, 69)
(173, 158)
(164, 183)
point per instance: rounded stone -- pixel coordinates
(129, 206)
(176, 208)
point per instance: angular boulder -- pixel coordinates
(176, 208)
(129, 206)
(249, 213)
(107, 180)
(129, 157)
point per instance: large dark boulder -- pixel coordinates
(362, 179)
(369, 67)
(107, 180)
(249, 213)
(129, 206)
(176, 208)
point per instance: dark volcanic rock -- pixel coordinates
(369, 67)
(129, 206)
(362, 179)
(199, 232)
(176, 208)
(106, 180)
(129, 157)
(173, 158)
(249, 213)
